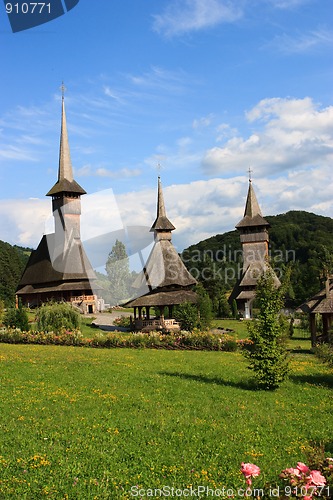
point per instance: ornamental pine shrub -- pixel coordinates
(187, 315)
(54, 317)
(16, 318)
(268, 354)
(325, 353)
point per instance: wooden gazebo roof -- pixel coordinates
(322, 302)
(165, 279)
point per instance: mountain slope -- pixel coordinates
(299, 238)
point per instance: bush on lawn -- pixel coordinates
(54, 317)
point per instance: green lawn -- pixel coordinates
(239, 328)
(82, 423)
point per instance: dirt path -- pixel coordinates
(105, 321)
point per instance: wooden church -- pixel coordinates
(59, 269)
(253, 229)
(164, 281)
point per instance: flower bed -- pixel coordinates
(298, 482)
(153, 340)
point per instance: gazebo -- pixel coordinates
(322, 304)
(164, 282)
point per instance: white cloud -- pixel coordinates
(198, 209)
(286, 134)
(111, 93)
(15, 153)
(184, 16)
(23, 221)
(203, 122)
(302, 42)
(159, 79)
(89, 171)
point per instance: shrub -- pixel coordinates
(53, 317)
(268, 353)
(187, 315)
(16, 318)
(123, 321)
(325, 353)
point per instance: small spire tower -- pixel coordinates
(164, 281)
(253, 229)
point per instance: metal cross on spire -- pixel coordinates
(250, 171)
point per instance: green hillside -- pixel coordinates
(301, 239)
(12, 263)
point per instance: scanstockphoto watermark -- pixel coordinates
(195, 492)
(224, 492)
(227, 254)
(226, 264)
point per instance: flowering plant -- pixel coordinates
(299, 481)
(249, 471)
(304, 482)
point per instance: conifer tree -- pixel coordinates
(268, 354)
(117, 268)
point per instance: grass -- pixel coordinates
(90, 424)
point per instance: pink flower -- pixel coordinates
(307, 497)
(303, 468)
(250, 470)
(292, 472)
(316, 478)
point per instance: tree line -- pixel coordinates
(298, 239)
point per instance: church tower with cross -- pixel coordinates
(59, 269)
(164, 282)
(253, 230)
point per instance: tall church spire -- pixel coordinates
(162, 223)
(66, 182)
(65, 164)
(252, 206)
(252, 213)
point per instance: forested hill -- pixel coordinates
(12, 263)
(301, 238)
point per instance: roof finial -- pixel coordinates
(250, 171)
(63, 90)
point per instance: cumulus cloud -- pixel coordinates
(23, 221)
(184, 16)
(198, 209)
(286, 134)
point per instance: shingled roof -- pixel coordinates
(161, 223)
(165, 275)
(321, 303)
(45, 269)
(66, 182)
(252, 213)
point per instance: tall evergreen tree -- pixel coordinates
(268, 355)
(117, 268)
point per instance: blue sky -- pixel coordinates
(205, 88)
